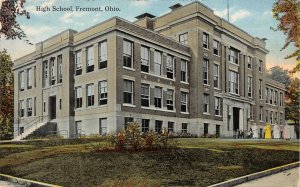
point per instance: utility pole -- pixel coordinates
(228, 10)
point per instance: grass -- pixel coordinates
(197, 162)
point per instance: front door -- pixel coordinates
(236, 118)
(52, 107)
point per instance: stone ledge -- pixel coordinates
(25, 182)
(257, 175)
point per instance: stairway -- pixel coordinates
(29, 130)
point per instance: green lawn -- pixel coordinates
(197, 162)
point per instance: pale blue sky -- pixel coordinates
(253, 16)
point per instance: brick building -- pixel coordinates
(188, 71)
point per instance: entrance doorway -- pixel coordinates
(52, 107)
(236, 118)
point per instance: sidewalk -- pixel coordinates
(288, 178)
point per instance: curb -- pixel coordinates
(25, 182)
(253, 176)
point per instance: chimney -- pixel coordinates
(145, 20)
(173, 7)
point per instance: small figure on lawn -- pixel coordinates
(268, 130)
(286, 132)
(276, 131)
(255, 131)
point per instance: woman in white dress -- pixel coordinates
(255, 131)
(276, 132)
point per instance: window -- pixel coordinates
(170, 67)
(216, 75)
(45, 71)
(158, 125)
(29, 78)
(216, 46)
(145, 125)
(233, 56)
(157, 62)
(205, 40)
(260, 66)
(34, 106)
(218, 130)
(170, 126)
(29, 107)
(34, 75)
(127, 54)
(102, 55)
(233, 82)
(267, 94)
(205, 71)
(52, 65)
(249, 86)
(184, 128)
(206, 103)
(128, 92)
(261, 113)
(281, 99)
(90, 59)
(206, 128)
(184, 101)
(44, 106)
(59, 69)
(184, 71)
(103, 92)
(260, 89)
(145, 57)
(249, 62)
(145, 95)
(22, 108)
(275, 117)
(78, 96)
(78, 128)
(158, 97)
(281, 118)
(78, 69)
(22, 80)
(276, 98)
(170, 99)
(217, 106)
(271, 117)
(267, 116)
(271, 96)
(127, 121)
(90, 94)
(183, 38)
(251, 112)
(103, 126)
(59, 104)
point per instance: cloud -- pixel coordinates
(241, 14)
(233, 14)
(142, 3)
(32, 8)
(36, 30)
(16, 48)
(70, 16)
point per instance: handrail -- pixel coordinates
(32, 122)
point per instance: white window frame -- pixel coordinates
(128, 53)
(170, 99)
(145, 58)
(184, 101)
(205, 71)
(22, 108)
(158, 97)
(183, 38)
(29, 78)
(216, 71)
(205, 38)
(157, 63)
(234, 84)
(217, 106)
(59, 69)
(206, 103)
(216, 47)
(249, 62)
(233, 56)
(184, 71)
(145, 95)
(102, 54)
(78, 95)
(78, 60)
(126, 82)
(29, 107)
(90, 95)
(103, 126)
(170, 66)
(90, 56)
(103, 92)
(250, 86)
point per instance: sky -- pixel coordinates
(253, 16)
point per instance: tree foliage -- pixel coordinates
(286, 11)
(292, 110)
(278, 74)
(9, 27)
(6, 93)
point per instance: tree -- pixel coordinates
(278, 74)
(9, 27)
(286, 11)
(7, 94)
(292, 110)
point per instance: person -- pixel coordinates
(255, 131)
(268, 129)
(276, 131)
(286, 132)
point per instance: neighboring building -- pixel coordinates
(188, 71)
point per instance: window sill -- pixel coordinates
(205, 113)
(206, 48)
(184, 82)
(234, 63)
(158, 109)
(128, 105)
(206, 85)
(235, 94)
(218, 115)
(184, 112)
(217, 89)
(127, 68)
(216, 55)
